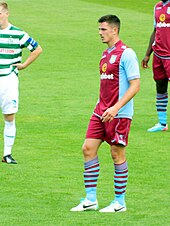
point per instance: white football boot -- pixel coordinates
(114, 206)
(84, 205)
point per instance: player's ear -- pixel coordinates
(7, 13)
(115, 30)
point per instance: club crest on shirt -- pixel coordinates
(112, 59)
(10, 40)
(168, 10)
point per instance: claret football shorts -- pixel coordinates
(9, 93)
(161, 68)
(114, 132)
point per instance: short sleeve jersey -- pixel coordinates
(118, 66)
(161, 46)
(12, 41)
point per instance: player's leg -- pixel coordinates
(120, 179)
(121, 172)
(94, 135)
(162, 100)
(161, 105)
(9, 106)
(91, 167)
(91, 174)
(118, 131)
(9, 138)
(161, 80)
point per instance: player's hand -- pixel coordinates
(109, 114)
(20, 66)
(145, 62)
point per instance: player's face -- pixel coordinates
(3, 18)
(107, 32)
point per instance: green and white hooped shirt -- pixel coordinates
(12, 41)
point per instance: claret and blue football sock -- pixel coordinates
(91, 174)
(120, 181)
(161, 107)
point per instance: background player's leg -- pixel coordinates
(161, 105)
(162, 100)
(9, 138)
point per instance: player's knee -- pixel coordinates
(118, 153)
(87, 151)
(85, 148)
(115, 156)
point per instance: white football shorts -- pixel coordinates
(9, 93)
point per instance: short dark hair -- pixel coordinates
(110, 19)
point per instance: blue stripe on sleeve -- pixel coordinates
(32, 42)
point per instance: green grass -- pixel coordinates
(141, 6)
(57, 96)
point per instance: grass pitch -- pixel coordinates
(57, 95)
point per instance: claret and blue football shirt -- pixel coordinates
(118, 66)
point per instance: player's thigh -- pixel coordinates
(96, 129)
(167, 67)
(117, 131)
(159, 72)
(9, 94)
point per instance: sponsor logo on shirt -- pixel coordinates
(162, 17)
(104, 67)
(105, 76)
(7, 51)
(163, 24)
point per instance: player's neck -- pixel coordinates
(113, 42)
(4, 25)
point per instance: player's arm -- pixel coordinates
(149, 50)
(31, 58)
(111, 112)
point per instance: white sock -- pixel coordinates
(9, 136)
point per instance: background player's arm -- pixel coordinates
(149, 50)
(111, 112)
(32, 57)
